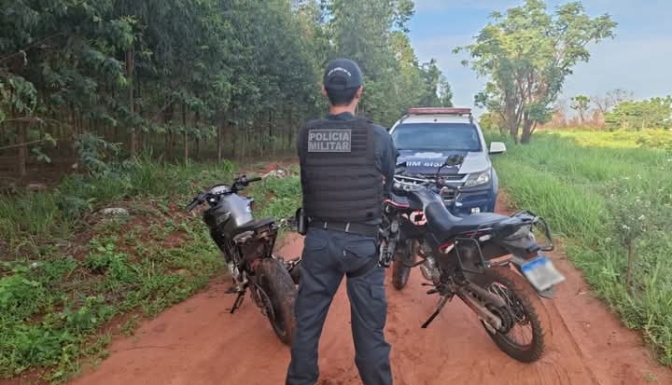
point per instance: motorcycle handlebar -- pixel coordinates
(195, 202)
(238, 184)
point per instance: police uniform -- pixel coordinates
(343, 161)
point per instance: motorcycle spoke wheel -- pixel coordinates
(521, 313)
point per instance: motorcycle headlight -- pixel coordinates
(477, 179)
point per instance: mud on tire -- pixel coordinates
(527, 303)
(279, 288)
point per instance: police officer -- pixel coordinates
(347, 165)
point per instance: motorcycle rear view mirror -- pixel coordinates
(450, 161)
(446, 163)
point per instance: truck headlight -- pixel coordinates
(477, 179)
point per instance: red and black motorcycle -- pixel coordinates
(405, 226)
(469, 257)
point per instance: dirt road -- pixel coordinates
(199, 342)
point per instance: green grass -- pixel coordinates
(70, 278)
(599, 189)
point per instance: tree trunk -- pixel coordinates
(167, 145)
(186, 133)
(23, 149)
(220, 127)
(171, 148)
(527, 131)
(512, 124)
(168, 115)
(130, 64)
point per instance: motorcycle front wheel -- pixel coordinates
(278, 293)
(404, 255)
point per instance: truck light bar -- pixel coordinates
(439, 110)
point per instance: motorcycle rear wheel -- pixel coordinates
(526, 308)
(278, 287)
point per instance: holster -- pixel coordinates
(301, 221)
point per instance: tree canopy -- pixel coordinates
(581, 104)
(636, 115)
(152, 75)
(527, 53)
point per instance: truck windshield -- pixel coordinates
(436, 136)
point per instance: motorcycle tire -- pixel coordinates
(404, 256)
(527, 305)
(278, 287)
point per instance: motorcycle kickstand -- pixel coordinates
(431, 291)
(238, 302)
(442, 303)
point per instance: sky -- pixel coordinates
(638, 59)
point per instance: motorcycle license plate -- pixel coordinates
(541, 273)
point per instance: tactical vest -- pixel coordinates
(339, 175)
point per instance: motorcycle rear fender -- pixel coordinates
(522, 246)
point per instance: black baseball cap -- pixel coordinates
(342, 74)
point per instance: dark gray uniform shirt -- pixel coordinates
(386, 153)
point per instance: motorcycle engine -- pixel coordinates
(428, 269)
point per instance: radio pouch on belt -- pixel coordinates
(301, 223)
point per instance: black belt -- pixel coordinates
(347, 227)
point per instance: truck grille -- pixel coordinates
(453, 177)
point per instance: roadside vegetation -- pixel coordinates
(609, 196)
(82, 274)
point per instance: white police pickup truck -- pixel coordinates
(425, 137)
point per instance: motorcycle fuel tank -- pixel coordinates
(230, 213)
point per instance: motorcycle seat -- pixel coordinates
(447, 225)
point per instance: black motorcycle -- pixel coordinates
(247, 244)
(469, 257)
(526, 254)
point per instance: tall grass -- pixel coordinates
(583, 182)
